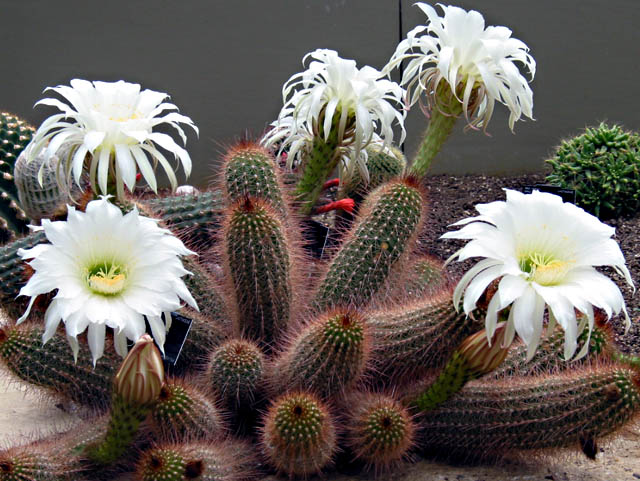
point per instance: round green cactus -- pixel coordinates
(603, 166)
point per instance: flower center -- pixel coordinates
(107, 279)
(118, 112)
(544, 269)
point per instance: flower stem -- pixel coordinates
(444, 114)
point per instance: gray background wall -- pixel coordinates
(224, 63)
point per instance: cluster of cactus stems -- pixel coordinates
(292, 360)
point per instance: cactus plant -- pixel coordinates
(603, 166)
(15, 134)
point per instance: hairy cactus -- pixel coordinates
(235, 370)
(250, 171)
(257, 254)
(603, 166)
(381, 237)
(43, 461)
(380, 431)
(15, 134)
(298, 437)
(328, 356)
(489, 418)
(426, 275)
(203, 461)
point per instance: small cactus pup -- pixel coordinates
(42, 461)
(467, 83)
(380, 240)
(250, 171)
(602, 165)
(572, 408)
(257, 254)
(15, 134)
(331, 112)
(94, 122)
(226, 460)
(328, 355)
(298, 436)
(137, 386)
(183, 411)
(235, 371)
(379, 430)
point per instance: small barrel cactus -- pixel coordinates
(603, 166)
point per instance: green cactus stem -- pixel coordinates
(410, 340)
(379, 430)
(184, 412)
(327, 357)
(257, 255)
(381, 237)
(235, 371)
(298, 437)
(36, 464)
(487, 419)
(443, 117)
(250, 170)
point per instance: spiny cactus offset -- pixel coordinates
(490, 418)
(425, 275)
(257, 255)
(202, 461)
(184, 412)
(41, 462)
(235, 371)
(250, 171)
(382, 236)
(298, 436)
(380, 431)
(327, 357)
(15, 134)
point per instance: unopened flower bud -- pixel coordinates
(141, 375)
(483, 356)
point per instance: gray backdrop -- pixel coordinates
(224, 63)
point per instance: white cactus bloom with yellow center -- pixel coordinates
(478, 63)
(110, 270)
(544, 252)
(113, 122)
(334, 96)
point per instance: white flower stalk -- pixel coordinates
(113, 123)
(544, 253)
(110, 270)
(342, 109)
(477, 63)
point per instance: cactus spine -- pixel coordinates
(235, 371)
(383, 164)
(256, 250)
(381, 237)
(327, 356)
(298, 437)
(534, 412)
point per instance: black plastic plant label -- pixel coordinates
(176, 336)
(567, 195)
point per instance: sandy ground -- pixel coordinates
(25, 415)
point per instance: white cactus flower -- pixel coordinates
(365, 105)
(113, 122)
(110, 270)
(544, 252)
(478, 63)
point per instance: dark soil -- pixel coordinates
(452, 198)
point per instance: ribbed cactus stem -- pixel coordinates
(443, 117)
(42, 462)
(52, 366)
(381, 237)
(298, 437)
(257, 255)
(327, 357)
(321, 161)
(534, 412)
(475, 357)
(250, 170)
(419, 336)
